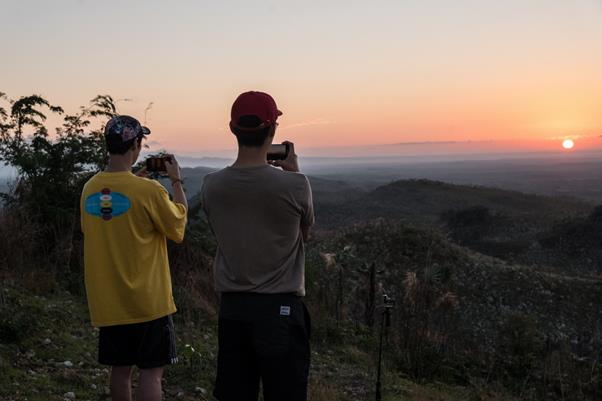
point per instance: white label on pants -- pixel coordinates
(285, 311)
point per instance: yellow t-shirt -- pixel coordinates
(125, 220)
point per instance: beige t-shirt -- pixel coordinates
(256, 214)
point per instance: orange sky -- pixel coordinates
(345, 73)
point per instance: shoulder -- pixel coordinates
(210, 177)
(298, 180)
(89, 184)
(293, 183)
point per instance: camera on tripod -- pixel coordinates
(387, 306)
(388, 302)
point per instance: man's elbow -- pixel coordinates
(178, 239)
(177, 235)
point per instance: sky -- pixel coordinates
(513, 75)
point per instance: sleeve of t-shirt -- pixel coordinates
(169, 218)
(307, 205)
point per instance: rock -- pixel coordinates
(70, 395)
(200, 390)
(180, 394)
(47, 341)
(93, 386)
(68, 364)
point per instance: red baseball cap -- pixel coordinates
(254, 103)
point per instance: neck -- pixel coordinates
(119, 163)
(251, 157)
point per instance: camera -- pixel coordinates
(388, 302)
(278, 152)
(156, 164)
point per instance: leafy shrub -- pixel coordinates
(19, 320)
(519, 345)
(469, 224)
(51, 170)
(576, 235)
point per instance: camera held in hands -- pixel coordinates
(156, 164)
(278, 151)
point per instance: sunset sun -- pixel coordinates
(568, 144)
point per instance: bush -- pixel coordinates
(469, 224)
(19, 320)
(51, 171)
(519, 345)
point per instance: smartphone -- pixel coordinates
(156, 164)
(278, 152)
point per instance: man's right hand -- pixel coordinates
(290, 163)
(173, 169)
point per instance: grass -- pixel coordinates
(38, 334)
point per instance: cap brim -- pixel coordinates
(278, 112)
(145, 131)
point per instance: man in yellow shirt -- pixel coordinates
(126, 220)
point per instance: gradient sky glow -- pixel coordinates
(344, 72)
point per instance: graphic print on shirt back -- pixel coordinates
(107, 204)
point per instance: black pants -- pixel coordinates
(262, 337)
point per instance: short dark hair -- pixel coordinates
(253, 138)
(115, 146)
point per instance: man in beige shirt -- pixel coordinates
(260, 213)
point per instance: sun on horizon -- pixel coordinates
(568, 144)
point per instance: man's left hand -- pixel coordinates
(290, 163)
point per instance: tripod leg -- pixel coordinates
(378, 396)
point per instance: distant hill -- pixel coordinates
(193, 178)
(574, 174)
(501, 223)
(426, 201)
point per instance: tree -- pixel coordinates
(51, 169)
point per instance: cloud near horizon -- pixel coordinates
(318, 121)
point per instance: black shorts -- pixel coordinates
(262, 337)
(146, 345)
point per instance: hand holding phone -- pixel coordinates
(156, 164)
(278, 151)
(289, 161)
(173, 168)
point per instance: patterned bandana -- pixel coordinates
(126, 127)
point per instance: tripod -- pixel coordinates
(385, 323)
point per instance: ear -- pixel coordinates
(136, 148)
